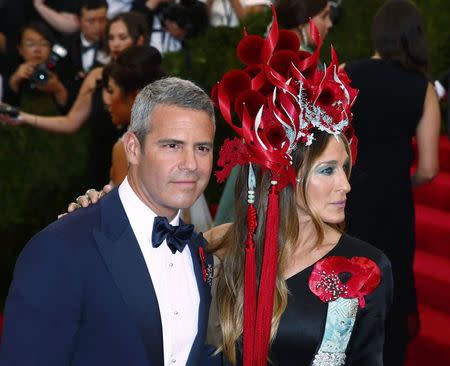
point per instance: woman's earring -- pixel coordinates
(299, 180)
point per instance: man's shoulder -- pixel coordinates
(77, 228)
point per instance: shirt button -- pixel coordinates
(170, 264)
(173, 360)
(175, 312)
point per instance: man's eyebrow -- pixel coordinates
(171, 141)
(180, 142)
(206, 143)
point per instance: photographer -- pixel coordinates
(33, 86)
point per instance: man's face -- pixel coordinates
(92, 23)
(174, 165)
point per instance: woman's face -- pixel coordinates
(118, 104)
(34, 47)
(323, 22)
(119, 38)
(327, 185)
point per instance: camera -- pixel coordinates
(41, 73)
(9, 110)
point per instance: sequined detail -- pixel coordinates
(209, 274)
(332, 285)
(341, 316)
(329, 359)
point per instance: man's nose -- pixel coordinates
(189, 160)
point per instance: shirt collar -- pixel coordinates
(141, 216)
(84, 41)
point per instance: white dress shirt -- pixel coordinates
(162, 40)
(118, 6)
(87, 57)
(173, 279)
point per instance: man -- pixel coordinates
(85, 47)
(100, 286)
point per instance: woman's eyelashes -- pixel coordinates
(328, 169)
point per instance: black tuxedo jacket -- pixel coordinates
(82, 295)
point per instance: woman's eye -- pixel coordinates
(326, 171)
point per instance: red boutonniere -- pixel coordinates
(335, 277)
(206, 268)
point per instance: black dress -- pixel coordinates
(302, 324)
(380, 205)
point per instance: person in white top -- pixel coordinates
(116, 284)
(231, 12)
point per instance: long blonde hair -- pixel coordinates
(230, 283)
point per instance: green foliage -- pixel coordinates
(40, 174)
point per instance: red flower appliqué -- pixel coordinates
(201, 253)
(335, 277)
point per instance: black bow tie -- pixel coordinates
(92, 46)
(176, 236)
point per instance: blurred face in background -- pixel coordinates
(34, 47)
(92, 23)
(119, 38)
(118, 103)
(323, 22)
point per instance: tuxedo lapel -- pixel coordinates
(123, 258)
(205, 298)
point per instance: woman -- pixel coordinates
(122, 31)
(27, 89)
(123, 79)
(285, 257)
(396, 102)
(292, 15)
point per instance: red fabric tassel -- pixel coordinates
(267, 282)
(249, 289)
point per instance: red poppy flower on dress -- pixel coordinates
(335, 277)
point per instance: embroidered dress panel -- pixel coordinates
(338, 329)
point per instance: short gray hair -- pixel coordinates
(168, 91)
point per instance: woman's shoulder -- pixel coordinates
(354, 247)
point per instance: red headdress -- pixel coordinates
(278, 98)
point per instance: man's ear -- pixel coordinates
(132, 148)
